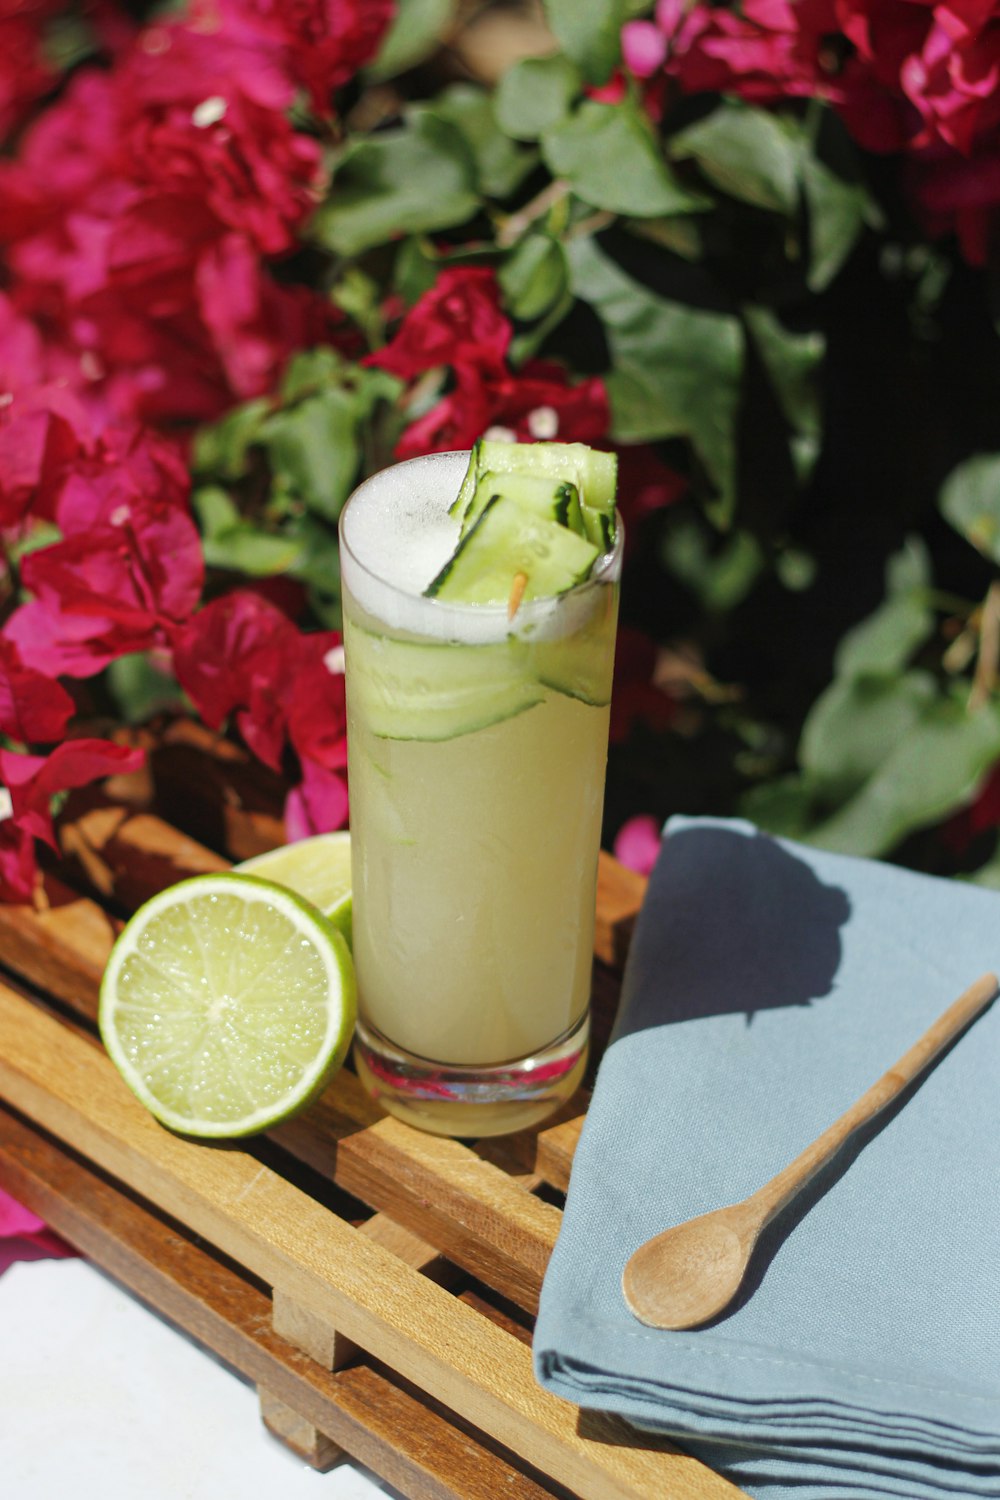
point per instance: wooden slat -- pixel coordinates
(357, 1410)
(620, 893)
(290, 1241)
(61, 946)
(475, 1213)
(555, 1148)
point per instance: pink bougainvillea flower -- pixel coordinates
(33, 780)
(317, 805)
(127, 466)
(637, 843)
(111, 589)
(645, 485)
(538, 403)
(254, 324)
(316, 709)
(320, 44)
(644, 48)
(42, 433)
(25, 71)
(233, 659)
(17, 855)
(142, 210)
(960, 196)
(19, 1223)
(33, 708)
(459, 322)
(240, 657)
(196, 131)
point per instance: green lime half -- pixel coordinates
(318, 868)
(227, 1004)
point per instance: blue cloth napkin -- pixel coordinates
(767, 986)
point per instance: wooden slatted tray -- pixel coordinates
(377, 1285)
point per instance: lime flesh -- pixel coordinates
(227, 1004)
(318, 868)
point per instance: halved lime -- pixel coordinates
(227, 1004)
(318, 868)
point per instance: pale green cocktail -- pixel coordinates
(477, 751)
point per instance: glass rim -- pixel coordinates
(491, 618)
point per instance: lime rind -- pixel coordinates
(327, 1056)
(303, 866)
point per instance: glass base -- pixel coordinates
(466, 1100)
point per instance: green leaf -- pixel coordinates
(988, 874)
(319, 568)
(214, 508)
(501, 164)
(793, 362)
(245, 549)
(675, 370)
(415, 34)
(141, 688)
(535, 94)
(222, 448)
(421, 176)
(748, 153)
(534, 277)
(610, 158)
(315, 449)
(837, 211)
(929, 774)
(681, 236)
(782, 807)
(855, 724)
(886, 640)
(589, 31)
(720, 575)
(970, 501)
(310, 371)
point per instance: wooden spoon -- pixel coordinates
(688, 1274)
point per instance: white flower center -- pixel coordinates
(209, 112)
(333, 661)
(543, 422)
(6, 805)
(500, 435)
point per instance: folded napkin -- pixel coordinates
(767, 986)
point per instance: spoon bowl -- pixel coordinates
(690, 1273)
(684, 1276)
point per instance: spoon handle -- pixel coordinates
(775, 1194)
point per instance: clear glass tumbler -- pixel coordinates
(477, 750)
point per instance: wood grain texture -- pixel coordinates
(391, 1431)
(290, 1241)
(473, 1211)
(620, 893)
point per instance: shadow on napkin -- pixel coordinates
(747, 919)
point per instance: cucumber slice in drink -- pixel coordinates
(506, 540)
(467, 489)
(593, 471)
(552, 499)
(414, 690)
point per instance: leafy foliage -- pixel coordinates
(734, 246)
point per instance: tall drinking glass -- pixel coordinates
(477, 747)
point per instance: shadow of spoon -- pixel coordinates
(687, 1275)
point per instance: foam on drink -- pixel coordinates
(396, 535)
